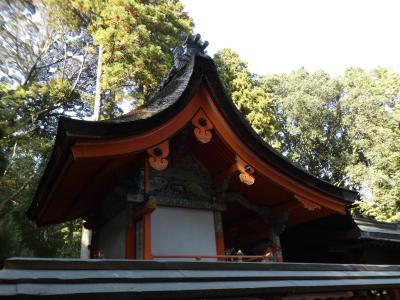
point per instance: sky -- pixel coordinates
(281, 36)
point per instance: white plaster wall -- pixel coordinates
(182, 231)
(111, 237)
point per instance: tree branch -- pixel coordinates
(80, 68)
(65, 62)
(21, 189)
(14, 153)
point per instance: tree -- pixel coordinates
(371, 101)
(49, 56)
(39, 81)
(246, 93)
(134, 39)
(344, 130)
(310, 128)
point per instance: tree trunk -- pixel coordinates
(87, 233)
(97, 98)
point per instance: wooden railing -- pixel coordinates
(75, 279)
(328, 296)
(227, 258)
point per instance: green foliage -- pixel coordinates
(48, 54)
(345, 130)
(246, 92)
(371, 101)
(136, 37)
(29, 115)
(309, 114)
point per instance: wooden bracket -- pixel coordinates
(144, 209)
(203, 126)
(307, 204)
(157, 156)
(246, 171)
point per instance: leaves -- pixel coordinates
(309, 114)
(344, 130)
(372, 104)
(48, 54)
(246, 92)
(136, 37)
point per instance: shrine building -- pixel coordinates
(183, 175)
(183, 199)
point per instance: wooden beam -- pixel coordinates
(286, 206)
(229, 172)
(104, 167)
(144, 209)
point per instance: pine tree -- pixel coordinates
(247, 94)
(134, 39)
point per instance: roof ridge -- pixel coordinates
(192, 46)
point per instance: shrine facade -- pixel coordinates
(181, 177)
(185, 201)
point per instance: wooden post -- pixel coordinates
(394, 294)
(147, 237)
(130, 243)
(130, 246)
(93, 247)
(277, 247)
(147, 217)
(219, 234)
(146, 180)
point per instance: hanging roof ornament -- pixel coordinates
(192, 45)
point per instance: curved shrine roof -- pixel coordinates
(173, 96)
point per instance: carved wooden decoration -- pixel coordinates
(158, 154)
(203, 126)
(246, 171)
(308, 204)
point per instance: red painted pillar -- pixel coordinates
(130, 243)
(147, 253)
(219, 234)
(130, 235)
